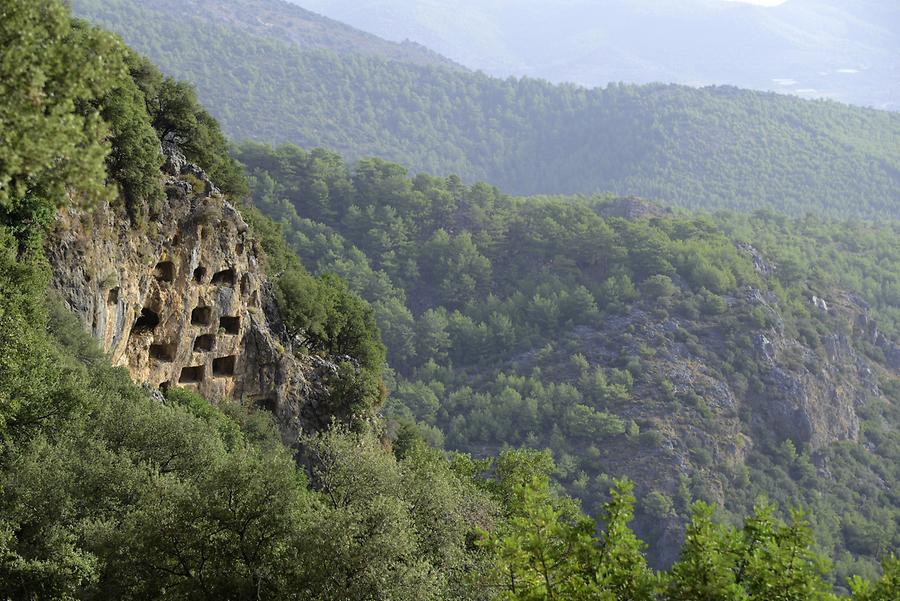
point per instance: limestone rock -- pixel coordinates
(174, 159)
(762, 266)
(185, 303)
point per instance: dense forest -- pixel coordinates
(713, 147)
(292, 24)
(552, 323)
(111, 491)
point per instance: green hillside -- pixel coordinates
(683, 351)
(274, 19)
(844, 50)
(114, 489)
(712, 147)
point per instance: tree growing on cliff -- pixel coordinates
(179, 118)
(51, 142)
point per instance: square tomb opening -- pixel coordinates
(201, 316)
(231, 324)
(192, 375)
(224, 366)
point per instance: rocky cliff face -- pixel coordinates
(184, 302)
(810, 396)
(719, 390)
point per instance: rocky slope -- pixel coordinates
(185, 302)
(718, 358)
(701, 426)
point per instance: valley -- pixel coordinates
(396, 329)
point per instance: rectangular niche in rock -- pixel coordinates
(112, 297)
(231, 325)
(199, 274)
(226, 277)
(163, 352)
(147, 321)
(201, 316)
(205, 343)
(165, 271)
(266, 403)
(224, 366)
(192, 375)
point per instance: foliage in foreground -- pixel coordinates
(99, 500)
(544, 551)
(109, 493)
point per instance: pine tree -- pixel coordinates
(705, 571)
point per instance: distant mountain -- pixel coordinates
(713, 147)
(273, 19)
(846, 50)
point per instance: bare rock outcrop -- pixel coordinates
(184, 301)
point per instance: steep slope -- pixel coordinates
(835, 49)
(715, 147)
(187, 303)
(114, 489)
(706, 359)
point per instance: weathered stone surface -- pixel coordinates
(174, 159)
(807, 408)
(762, 266)
(185, 303)
(706, 401)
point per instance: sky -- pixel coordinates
(760, 2)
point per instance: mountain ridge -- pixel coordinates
(281, 20)
(714, 148)
(818, 48)
(720, 367)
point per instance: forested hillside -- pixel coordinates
(116, 489)
(716, 358)
(712, 147)
(839, 49)
(275, 19)
(110, 490)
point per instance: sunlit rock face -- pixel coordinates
(183, 301)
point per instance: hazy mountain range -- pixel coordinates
(847, 50)
(273, 72)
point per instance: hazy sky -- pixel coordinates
(760, 2)
(846, 52)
